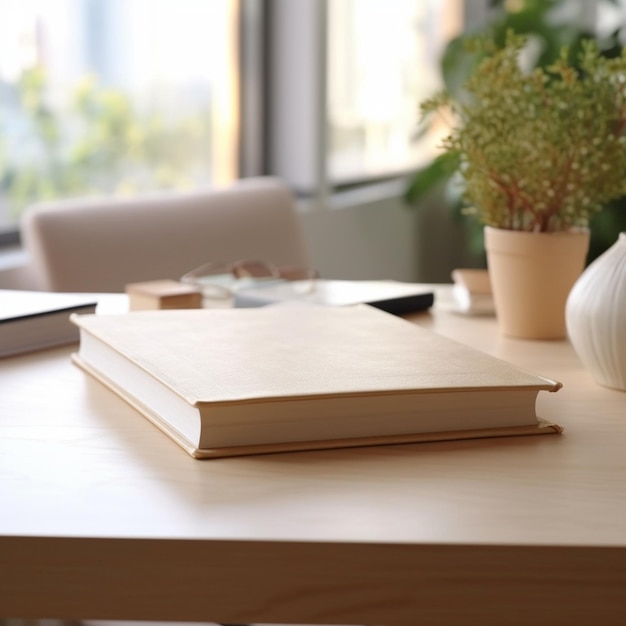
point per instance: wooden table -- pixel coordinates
(101, 516)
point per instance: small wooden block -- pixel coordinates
(474, 280)
(472, 291)
(163, 294)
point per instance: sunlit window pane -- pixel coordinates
(115, 96)
(383, 58)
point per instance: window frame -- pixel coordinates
(297, 120)
(283, 110)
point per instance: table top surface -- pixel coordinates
(76, 461)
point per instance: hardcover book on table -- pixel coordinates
(224, 382)
(34, 320)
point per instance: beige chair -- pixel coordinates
(103, 244)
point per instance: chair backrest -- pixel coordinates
(100, 245)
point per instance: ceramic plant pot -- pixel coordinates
(596, 316)
(531, 276)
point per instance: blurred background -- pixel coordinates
(127, 96)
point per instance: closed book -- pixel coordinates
(225, 382)
(392, 296)
(34, 320)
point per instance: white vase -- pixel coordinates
(596, 316)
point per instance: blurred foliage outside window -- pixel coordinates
(103, 97)
(99, 143)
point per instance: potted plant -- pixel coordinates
(538, 154)
(550, 25)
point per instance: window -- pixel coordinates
(383, 59)
(122, 96)
(347, 77)
(115, 96)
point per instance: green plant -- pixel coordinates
(550, 24)
(539, 150)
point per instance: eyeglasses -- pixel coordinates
(219, 281)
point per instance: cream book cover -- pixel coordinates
(234, 381)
